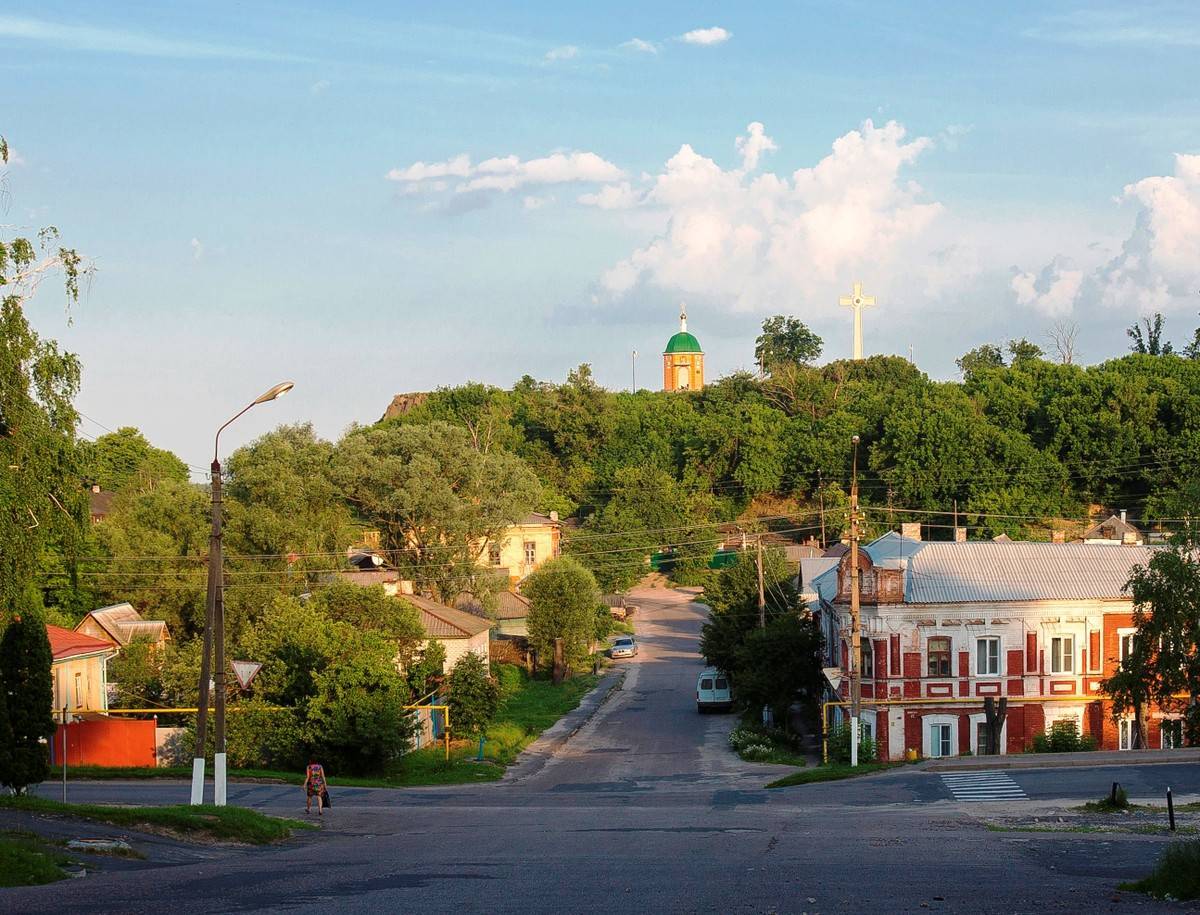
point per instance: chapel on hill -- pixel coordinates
(683, 359)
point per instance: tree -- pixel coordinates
(27, 685)
(563, 597)
(987, 356)
(1024, 351)
(136, 672)
(779, 665)
(1062, 336)
(785, 341)
(1192, 350)
(473, 696)
(435, 499)
(1163, 664)
(733, 606)
(1147, 337)
(41, 500)
(124, 458)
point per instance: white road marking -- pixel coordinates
(984, 786)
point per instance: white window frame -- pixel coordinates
(1125, 730)
(978, 721)
(928, 723)
(867, 647)
(979, 640)
(530, 548)
(1123, 634)
(1057, 643)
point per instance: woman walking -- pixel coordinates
(314, 786)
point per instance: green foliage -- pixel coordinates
(1147, 337)
(838, 746)
(768, 745)
(473, 696)
(124, 459)
(733, 606)
(426, 670)
(27, 861)
(435, 499)
(563, 597)
(984, 357)
(1177, 874)
(26, 682)
(1164, 663)
(1063, 737)
(136, 671)
(785, 340)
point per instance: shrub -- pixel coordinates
(838, 743)
(1063, 737)
(473, 696)
(1177, 875)
(25, 679)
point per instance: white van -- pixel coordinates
(712, 691)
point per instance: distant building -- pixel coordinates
(459, 632)
(79, 670)
(1113, 529)
(99, 504)
(683, 360)
(511, 612)
(120, 624)
(1039, 623)
(524, 547)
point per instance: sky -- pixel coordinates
(385, 198)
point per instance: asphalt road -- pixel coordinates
(644, 809)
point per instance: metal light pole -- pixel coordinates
(855, 623)
(634, 362)
(214, 631)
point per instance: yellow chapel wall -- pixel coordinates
(693, 362)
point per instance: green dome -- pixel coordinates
(683, 342)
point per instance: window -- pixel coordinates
(868, 660)
(706, 683)
(940, 739)
(1062, 654)
(981, 747)
(493, 554)
(1172, 733)
(1126, 646)
(987, 657)
(530, 552)
(79, 691)
(1125, 733)
(938, 650)
(722, 683)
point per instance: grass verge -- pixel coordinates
(1177, 875)
(223, 824)
(754, 743)
(831, 773)
(26, 861)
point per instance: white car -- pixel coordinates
(713, 691)
(623, 647)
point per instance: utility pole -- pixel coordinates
(634, 361)
(762, 597)
(821, 498)
(855, 623)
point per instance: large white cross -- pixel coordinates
(858, 302)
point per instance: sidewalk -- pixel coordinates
(1061, 760)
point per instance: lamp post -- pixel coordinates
(855, 614)
(213, 652)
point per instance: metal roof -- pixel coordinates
(945, 573)
(66, 644)
(442, 622)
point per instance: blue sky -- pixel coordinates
(293, 191)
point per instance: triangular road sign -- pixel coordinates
(245, 671)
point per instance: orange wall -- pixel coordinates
(106, 742)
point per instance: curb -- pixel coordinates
(1090, 760)
(535, 756)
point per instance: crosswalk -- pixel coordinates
(984, 786)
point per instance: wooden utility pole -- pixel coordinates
(821, 497)
(762, 597)
(855, 623)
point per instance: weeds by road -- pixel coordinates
(1177, 875)
(26, 860)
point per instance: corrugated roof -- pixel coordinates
(64, 643)
(1111, 528)
(943, 572)
(813, 567)
(509, 606)
(442, 622)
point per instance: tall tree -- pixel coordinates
(985, 356)
(1024, 351)
(1192, 350)
(41, 497)
(1163, 665)
(785, 340)
(436, 500)
(26, 682)
(1147, 337)
(563, 598)
(124, 458)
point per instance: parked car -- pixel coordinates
(623, 647)
(713, 691)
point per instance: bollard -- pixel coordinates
(1112, 798)
(1170, 810)
(479, 758)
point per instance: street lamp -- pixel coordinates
(213, 653)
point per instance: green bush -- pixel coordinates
(473, 696)
(1177, 875)
(1063, 737)
(25, 679)
(839, 746)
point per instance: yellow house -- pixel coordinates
(524, 546)
(79, 671)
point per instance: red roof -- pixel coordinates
(67, 644)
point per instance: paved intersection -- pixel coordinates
(644, 809)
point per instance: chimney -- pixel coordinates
(960, 535)
(911, 530)
(1123, 516)
(553, 516)
(1058, 536)
(95, 487)
(406, 586)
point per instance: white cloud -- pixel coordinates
(508, 173)
(319, 86)
(1158, 266)
(565, 52)
(641, 45)
(1052, 291)
(753, 145)
(714, 35)
(758, 241)
(612, 197)
(118, 41)
(197, 249)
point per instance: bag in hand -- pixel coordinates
(325, 799)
